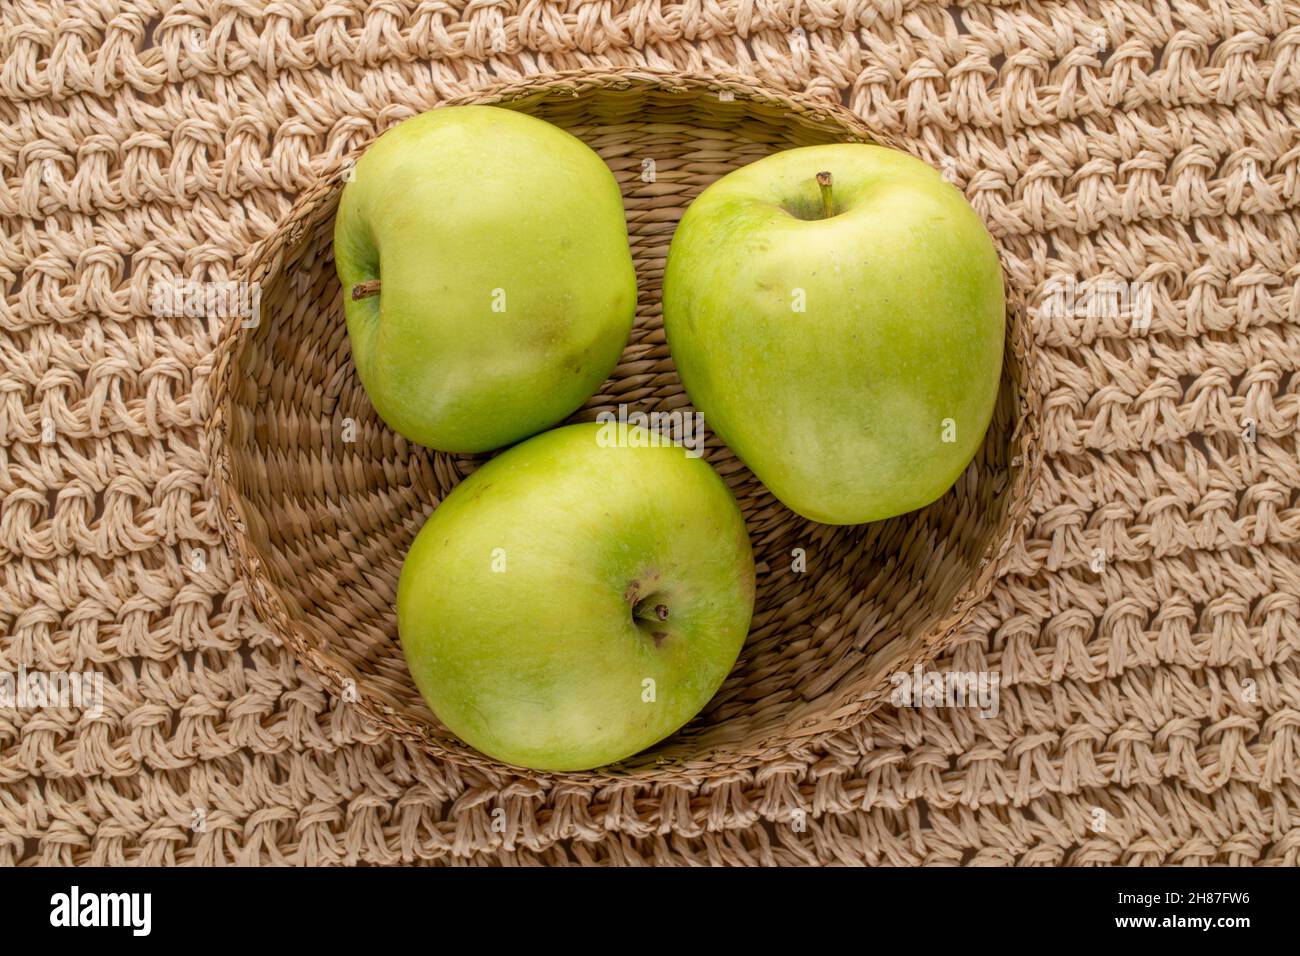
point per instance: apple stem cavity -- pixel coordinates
(828, 204)
(645, 611)
(364, 290)
(650, 613)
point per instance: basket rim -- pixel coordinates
(847, 710)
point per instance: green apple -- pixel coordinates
(578, 598)
(488, 284)
(837, 314)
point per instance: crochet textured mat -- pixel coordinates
(1145, 633)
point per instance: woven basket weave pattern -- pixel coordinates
(1137, 141)
(321, 525)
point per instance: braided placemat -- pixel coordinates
(1144, 634)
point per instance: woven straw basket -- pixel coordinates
(318, 524)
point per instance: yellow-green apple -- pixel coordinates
(487, 280)
(837, 314)
(578, 598)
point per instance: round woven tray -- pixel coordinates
(320, 500)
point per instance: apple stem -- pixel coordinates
(824, 184)
(661, 611)
(364, 290)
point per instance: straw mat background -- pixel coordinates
(1150, 710)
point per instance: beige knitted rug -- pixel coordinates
(1146, 634)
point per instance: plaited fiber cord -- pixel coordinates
(1144, 627)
